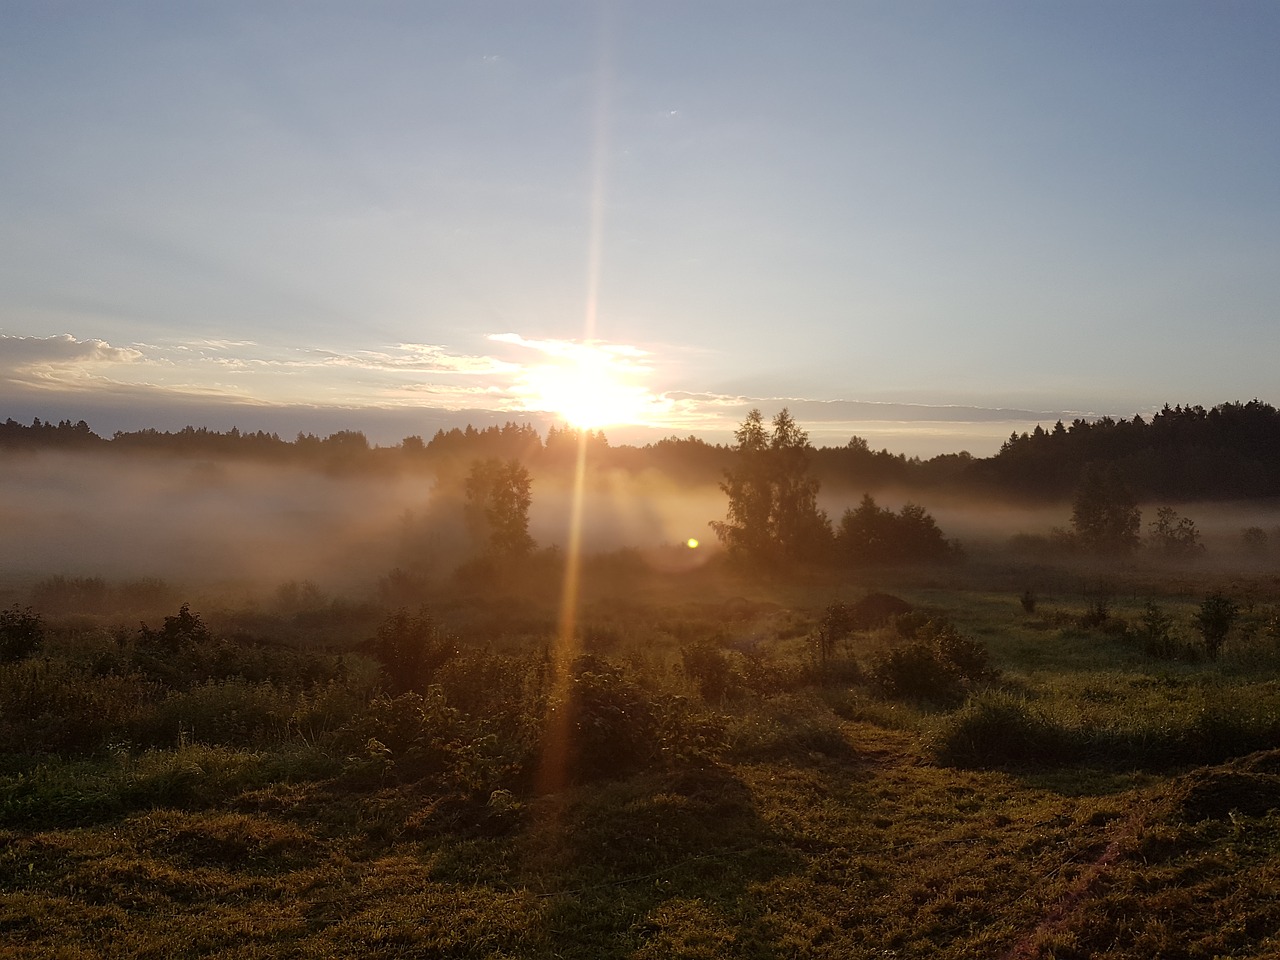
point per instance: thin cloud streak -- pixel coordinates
(225, 375)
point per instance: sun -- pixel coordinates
(590, 386)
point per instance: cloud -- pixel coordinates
(418, 358)
(63, 362)
(19, 354)
(840, 411)
(542, 379)
(576, 350)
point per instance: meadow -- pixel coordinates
(1000, 757)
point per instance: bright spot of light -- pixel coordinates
(590, 384)
(691, 543)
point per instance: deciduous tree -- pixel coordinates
(1104, 516)
(497, 508)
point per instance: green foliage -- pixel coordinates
(415, 736)
(249, 774)
(610, 720)
(410, 650)
(707, 664)
(998, 729)
(497, 508)
(1098, 613)
(178, 633)
(939, 665)
(21, 633)
(1105, 518)
(1156, 634)
(53, 706)
(873, 534)
(1174, 536)
(1205, 725)
(773, 513)
(838, 622)
(1214, 620)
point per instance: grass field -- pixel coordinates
(690, 779)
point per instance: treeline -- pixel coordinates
(1181, 453)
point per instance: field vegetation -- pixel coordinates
(808, 744)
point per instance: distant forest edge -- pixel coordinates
(1231, 451)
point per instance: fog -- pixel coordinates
(204, 521)
(199, 522)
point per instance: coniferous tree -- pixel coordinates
(773, 510)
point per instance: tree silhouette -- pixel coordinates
(872, 534)
(1174, 536)
(1105, 516)
(773, 510)
(497, 508)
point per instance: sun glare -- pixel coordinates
(590, 386)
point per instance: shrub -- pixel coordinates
(917, 671)
(1097, 613)
(601, 724)
(608, 719)
(707, 665)
(1216, 617)
(1156, 635)
(877, 609)
(21, 633)
(411, 649)
(1174, 536)
(178, 633)
(414, 736)
(994, 729)
(1028, 600)
(53, 706)
(226, 713)
(938, 665)
(838, 621)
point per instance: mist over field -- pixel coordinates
(210, 520)
(213, 520)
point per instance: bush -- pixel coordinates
(609, 721)
(411, 649)
(1216, 617)
(1174, 536)
(178, 633)
(52, 706)
(707, 665)
(411, 737)
(939, 665)
(21, 633)
(1097, 614)
(1156, 635)
(994, 729)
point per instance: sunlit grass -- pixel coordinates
(779, 811)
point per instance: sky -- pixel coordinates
(926, 223)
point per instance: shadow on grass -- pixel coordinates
(658, 865)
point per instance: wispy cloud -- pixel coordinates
(63, 350)
(570, 379)
(418, 358)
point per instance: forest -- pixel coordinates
(500, 695)
(1229, 451)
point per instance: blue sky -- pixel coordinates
(927, 223)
